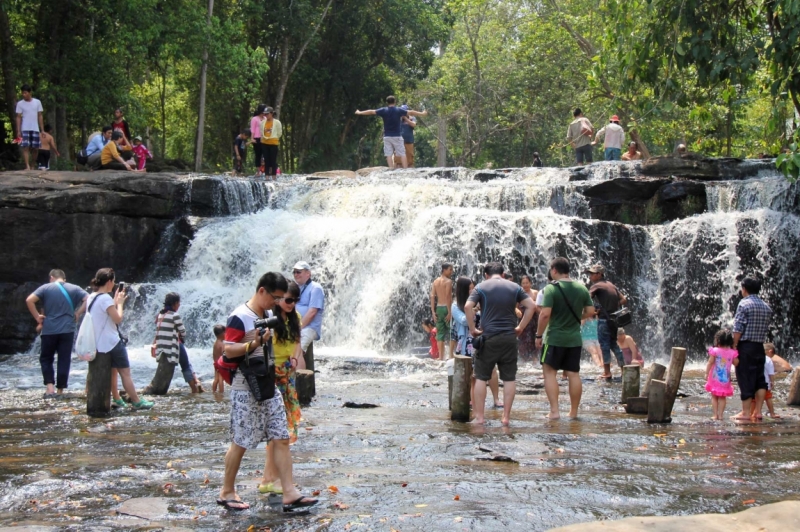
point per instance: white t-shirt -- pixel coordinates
(30, 114)
(540, 297)
(105, 330)
(769, 369)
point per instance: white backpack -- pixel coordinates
(86, 345)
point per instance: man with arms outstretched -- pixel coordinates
(393, 129)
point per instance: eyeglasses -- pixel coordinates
(276, 298)
(290, 300)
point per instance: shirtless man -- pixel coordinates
(441, 300)
(48, 146)
(632, 154)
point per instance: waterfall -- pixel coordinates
(376, 243)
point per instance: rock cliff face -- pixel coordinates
(82, 221)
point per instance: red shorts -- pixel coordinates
(769, 395)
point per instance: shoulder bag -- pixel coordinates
(566, 302)
(619, 318)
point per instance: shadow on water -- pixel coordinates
(402, 466)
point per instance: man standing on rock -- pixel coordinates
(579, 136)
(29, 124)
(311, 305)
(614, 139)
(564, 305)
(750, 329)
(251, 421)
(392, 129)
(498, 299)
(63, 304)
(441, 304)
(608, 300)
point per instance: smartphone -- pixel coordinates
(121, 287)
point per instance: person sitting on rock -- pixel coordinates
(110, 158)
(95, 147)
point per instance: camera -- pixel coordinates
(267, 323)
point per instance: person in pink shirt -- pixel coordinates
(141, 152)
(256, 130)
(718, 371)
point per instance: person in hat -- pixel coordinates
(607, 300)
(614, 139)
(141, 152)
(270, 138)
(311, 305)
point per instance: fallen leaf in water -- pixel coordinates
(382, 519)
(315, 493)
(169, 465)
(402, 447)
(206, 481)
(660, 435)
(456, 498)
(642, 448)
(115, 497)
(309, 428)
(251, 528)
(458, 519)
(404, 484)
(204, 513)
(364, 516)
(559, 450)
(749, 501)
(154, 418)
(341, 505)
(681, 441)
(420, 505)
(333, 489)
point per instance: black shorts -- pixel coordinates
(750, 371)
(566, 358)
(119, 356)
(500, 351)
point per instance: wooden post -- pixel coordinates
(308, 356)
(630, 382)
(656, 372)
(162, 379)
(655, 401)
(303, 382)
(449, 392)
(676, 363)
(98, 386)
(636, 405)
(462, 382)
(794, 390)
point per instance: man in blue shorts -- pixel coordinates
(393, 129)
(565, 304)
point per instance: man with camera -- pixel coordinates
(608, 299)
(253, 421)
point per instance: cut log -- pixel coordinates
(630, 382)
(674, 374)
(303, 383)
(462, 382)
(449, 392)
(655, 401)
(657, 372)
(98, 386)
(636, 405)
(162, 379)
(794, 390)
(308, 356)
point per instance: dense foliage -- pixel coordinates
(499, 77)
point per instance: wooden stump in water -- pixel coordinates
(303, 383)
(98, 386)
(462, 382)
(449, 392)
(656, 412)
(636, 405)
(630, 382)
(794, 390)
(162, 379)
(656, 372)
(676, 363)
(308, 356)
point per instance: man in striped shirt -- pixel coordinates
(750, 329)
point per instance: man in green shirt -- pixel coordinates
(565, 304)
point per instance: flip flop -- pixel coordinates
(269, 487)
(302, 502)
(228, 504)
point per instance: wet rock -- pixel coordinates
(350, 404)
(363, 172)
(496, 457)
(488, 175)
(145, 507)
(334, 174)
(27, 528)
(705, 168)
(779, 516)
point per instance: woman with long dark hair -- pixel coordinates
(256, 130)
(288, 358)
(464, 286)
(106, 312)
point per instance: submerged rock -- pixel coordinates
(145, 507)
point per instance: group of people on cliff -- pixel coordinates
(264, 407)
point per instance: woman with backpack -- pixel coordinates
(106, 313)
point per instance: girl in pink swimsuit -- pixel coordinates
(720, 359)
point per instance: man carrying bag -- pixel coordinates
(608, 300)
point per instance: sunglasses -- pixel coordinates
(295, 272)
(290, 300)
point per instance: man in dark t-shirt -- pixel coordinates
(240, 151)
(608, 300)
(498, 299)
(392, 129)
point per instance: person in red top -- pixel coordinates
(120, 124)
(430, 330)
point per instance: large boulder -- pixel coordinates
(705, 168)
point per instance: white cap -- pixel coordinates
(302, 265)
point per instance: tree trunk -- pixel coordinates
(7, 53)
(162, 379)
(163, 102)
(61, 131)
(201, 114)
(98, 386)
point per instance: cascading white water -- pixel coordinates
(376, 244)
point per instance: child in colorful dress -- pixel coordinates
(430, 330)
(141, 152)
(219, 333)
(720, 359)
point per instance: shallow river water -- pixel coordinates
(401, 466)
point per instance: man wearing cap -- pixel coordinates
(311, 305)
(607, 299)
(614, 139)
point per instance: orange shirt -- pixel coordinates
(268, 133)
